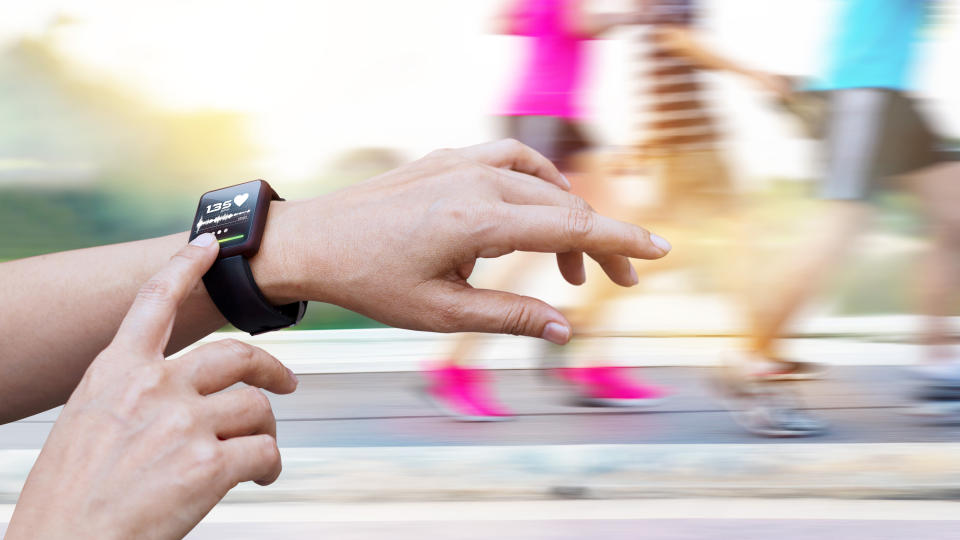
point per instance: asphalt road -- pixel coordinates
(863, 404)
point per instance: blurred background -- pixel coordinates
(114, 116)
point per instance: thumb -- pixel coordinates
(498, 312)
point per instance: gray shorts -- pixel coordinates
(874, 134)
(559, 139)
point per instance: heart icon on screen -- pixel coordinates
(241, 198)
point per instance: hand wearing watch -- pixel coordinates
(237, 215)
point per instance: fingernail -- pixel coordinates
(556, 333)
(634, 278)
(203, 240)
(661, 243)
(293, 376)
(566, 181)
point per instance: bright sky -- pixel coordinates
(320, 76)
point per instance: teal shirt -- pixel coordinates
(874, 44)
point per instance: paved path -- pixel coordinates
(370, 436)
(863, 405)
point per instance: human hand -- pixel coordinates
(143, 447)
(400, 247)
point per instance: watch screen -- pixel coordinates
(228, 213)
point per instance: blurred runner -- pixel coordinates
(874, 133)
(679, 145)
(545, 111)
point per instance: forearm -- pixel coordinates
(583, 22)
(596, 24)
(60, 310)
(682, 41)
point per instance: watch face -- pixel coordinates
(228, 213)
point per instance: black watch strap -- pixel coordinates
(231, 285)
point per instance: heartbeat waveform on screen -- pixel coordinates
(219, 219)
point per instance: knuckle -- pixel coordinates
(441, 153)
(238, 349)
(517, 318)
(449, 316)
(180, 420)
(146, 381)
(266, 451)
(579, 203)
(514, 144)
(156, 290)
(270, 452)
(636, 236)
(488, 174)
(102, 368)
(580, 223)
(256, 400)
(487, 221)
(455, 213)
(207, 458)
(269, 455)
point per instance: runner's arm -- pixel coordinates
(683, 41)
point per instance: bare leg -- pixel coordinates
(939, 190)
(699, 214)
(588, 181)
(834, 229)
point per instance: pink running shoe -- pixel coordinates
(462, 393)
(611, 386)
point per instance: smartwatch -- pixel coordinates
(237, 215)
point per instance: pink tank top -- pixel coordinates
(549, 84)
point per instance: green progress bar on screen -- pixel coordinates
(229, 238)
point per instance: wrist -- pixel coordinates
(275, 266)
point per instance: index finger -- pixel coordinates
(149, 321)
(552, 229)
(513, 154)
